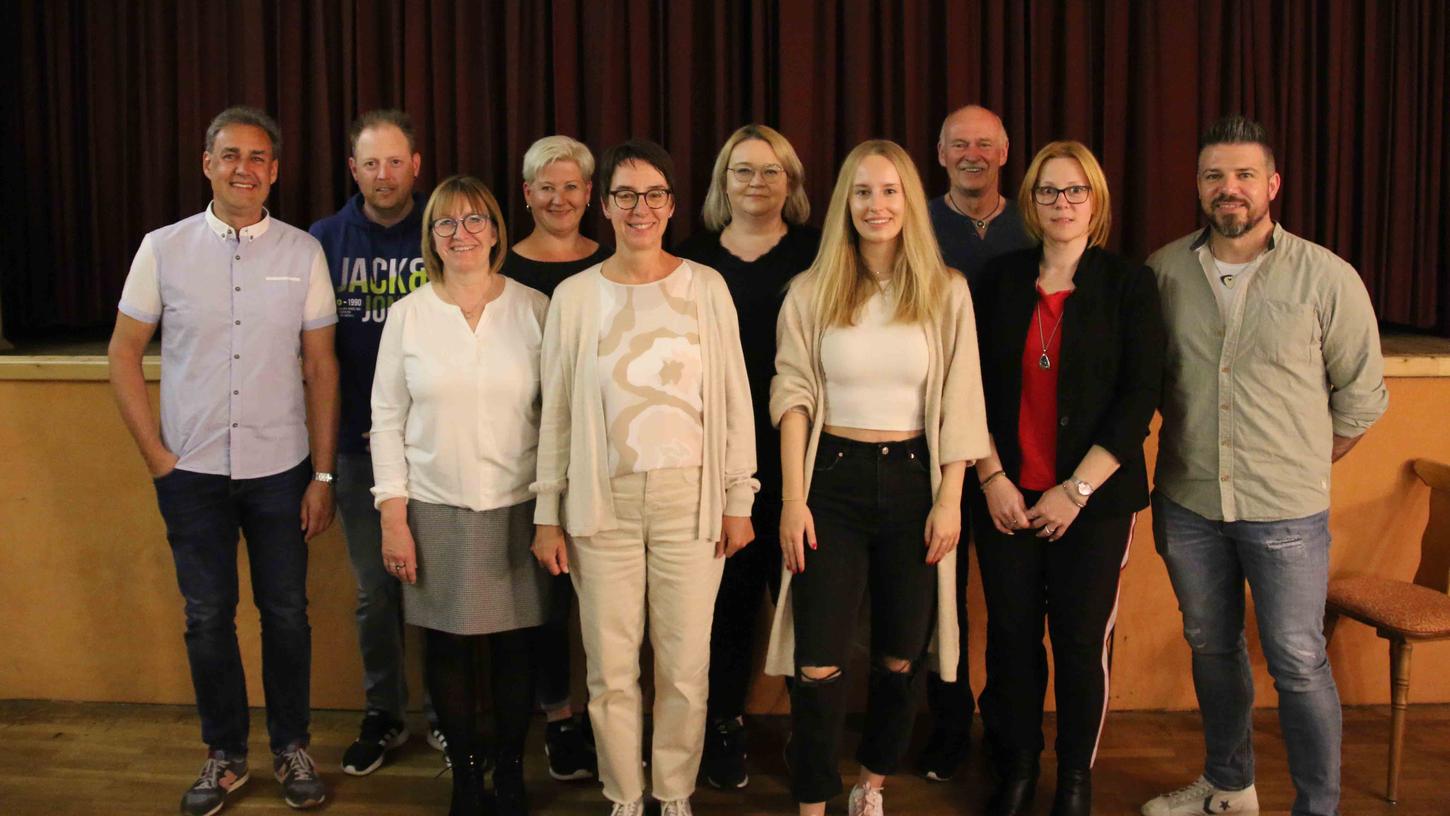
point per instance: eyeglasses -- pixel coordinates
(656, 198)
(473, 222)
(1047, 196)
(745, 173)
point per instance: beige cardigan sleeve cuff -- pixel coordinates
(793, 385)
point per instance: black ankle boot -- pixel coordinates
(469, 796)
(1074, 793)
(510, 798)
(1016, 785)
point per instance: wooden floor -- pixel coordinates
(82, 758)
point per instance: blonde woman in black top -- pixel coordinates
(756, 237)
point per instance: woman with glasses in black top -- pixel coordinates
(756, 237)
(1071, 338)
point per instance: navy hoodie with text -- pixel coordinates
(371, 266)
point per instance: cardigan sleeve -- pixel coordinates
(390, 404)
(794, 383)
(740, 482)
(556, 367)
(1140, 374)
(963, 408)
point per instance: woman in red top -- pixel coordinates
(1071, 338)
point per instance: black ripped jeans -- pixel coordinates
(870, 502)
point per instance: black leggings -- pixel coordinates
(870, 503)
(453, 671)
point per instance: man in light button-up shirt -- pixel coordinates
(242, 428)
(1273, 372)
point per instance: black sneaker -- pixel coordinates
(945, 751)
(571, 756)
(380, 734)
(220, 776)
(724, 759)
(302, 786)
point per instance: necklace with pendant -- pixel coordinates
(1044, 362)
(979, 223)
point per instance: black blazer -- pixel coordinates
(1109, 377)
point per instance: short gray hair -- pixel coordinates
(550, 149)
(1237, 129)
(245, 115)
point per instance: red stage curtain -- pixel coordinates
(106, 103)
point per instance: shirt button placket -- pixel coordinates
(233, 371)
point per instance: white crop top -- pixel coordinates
(876, 370)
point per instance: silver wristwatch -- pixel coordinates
(1078, 489)
(324, 477)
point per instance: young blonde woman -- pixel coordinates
(878, 397)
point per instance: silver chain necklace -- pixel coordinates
(1044, 362)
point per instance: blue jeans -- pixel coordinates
(379, 594)
(1286, 564)
(203, 513)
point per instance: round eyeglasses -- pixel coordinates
(1047, 196)
(655, 198)
(770, 174)
(473, 222)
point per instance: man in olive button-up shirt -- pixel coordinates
(1273, 372)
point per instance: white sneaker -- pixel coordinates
(635, 808)
(865, 801)
(1203, 798)
(676, 807)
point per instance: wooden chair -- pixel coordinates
(1401, 612)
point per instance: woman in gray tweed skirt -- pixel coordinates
(455, 427)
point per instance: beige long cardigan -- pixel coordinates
(573, 457)
(956, 430)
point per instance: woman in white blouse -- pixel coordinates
(646, 456)
(455, 427)
(878, 396)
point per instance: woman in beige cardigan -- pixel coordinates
(646, 459)
(878, 398)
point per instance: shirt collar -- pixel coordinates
(224, 230)
(1202, 239)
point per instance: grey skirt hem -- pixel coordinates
(476, 573)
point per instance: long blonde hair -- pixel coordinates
(843, 284)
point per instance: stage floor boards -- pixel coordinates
(87, 758)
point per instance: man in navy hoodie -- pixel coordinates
(372, 248)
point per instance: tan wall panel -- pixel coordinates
(92, 611)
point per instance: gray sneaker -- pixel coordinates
(301, 784)
(220, 776)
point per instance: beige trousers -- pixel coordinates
(655, 562)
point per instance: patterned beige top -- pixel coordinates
(651, 374)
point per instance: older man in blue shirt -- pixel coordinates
(246, 441)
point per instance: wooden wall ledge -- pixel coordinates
(1405, 356)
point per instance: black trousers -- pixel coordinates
(749, 575)
(1073, 582)
(550, 652)
(870, 503)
